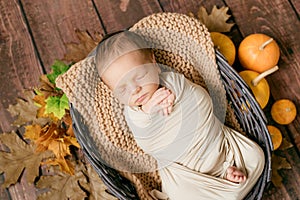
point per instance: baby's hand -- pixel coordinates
(160, 102)
(168, 102)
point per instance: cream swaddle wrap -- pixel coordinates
(192, 147)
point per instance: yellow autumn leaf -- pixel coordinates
(285, 145)
(32, 132)
(71, 141)
(59, 148)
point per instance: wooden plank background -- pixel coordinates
(34, 33)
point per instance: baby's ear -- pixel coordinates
(152, 56)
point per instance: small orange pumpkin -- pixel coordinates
(261, 90)
(276, 136)
(258, 52)
(283, 111)
(225, 45)
(258, 84)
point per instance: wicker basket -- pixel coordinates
(243, 112)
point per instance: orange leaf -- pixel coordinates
(32, 132)
(49, 133)
(59, 148)
(71, 141)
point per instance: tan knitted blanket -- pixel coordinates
(180, 42)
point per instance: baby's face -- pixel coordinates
(133, 78)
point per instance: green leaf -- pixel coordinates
(57, 105)
(58, 68)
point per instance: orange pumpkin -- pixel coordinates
(276, 136)
(283, 111)
(261, 90)
(225, 45)
(258, 84)
(258, 52)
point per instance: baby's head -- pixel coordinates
(127, 66)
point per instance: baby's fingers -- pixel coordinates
(170, 108)
(160, 95)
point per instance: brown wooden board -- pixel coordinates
(19, 69)
(278, 19)
(296, 5)
(117, 15)
(19, 65)
(53, 24)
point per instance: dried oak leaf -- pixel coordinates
(285, 145)
(52, 137)
(64, 165)
(26, 111)
(21, 156)
(216, 20)
(62, 186)
(78, 51)
(278, 163)
(61, 149)
(68, 122)
(48, 88)
(95, 186)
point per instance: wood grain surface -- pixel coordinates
(20, 67)
(34, 33)
(117, 17)
(279, 20)
(53, 24)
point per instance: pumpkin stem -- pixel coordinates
(255, 81)
(265, 44)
